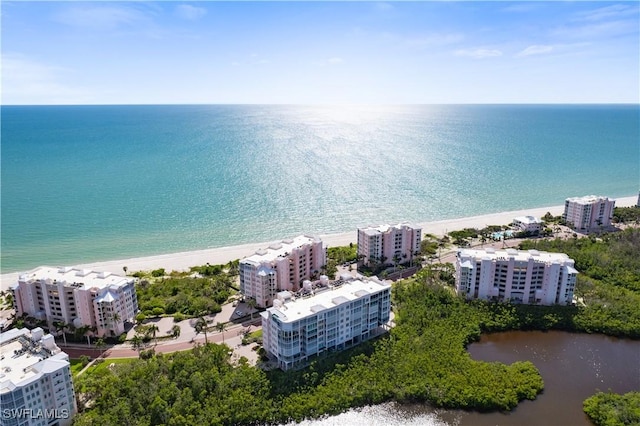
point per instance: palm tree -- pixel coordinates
(252, 305)
(153, 329)
(82, 331)
(396, 260)
(137, 343)
(60, 326)
(221, 327)
(201, 327)
(115, 318)
(100, 345)
(175, 331)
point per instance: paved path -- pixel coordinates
(232, 338)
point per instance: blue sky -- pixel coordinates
(320, 52)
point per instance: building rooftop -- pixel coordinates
(380, 229)
(519, 255)
(279, 249)
(588, 199)
(325, 298)
(25, 356)
(527, 219)
(73, 277)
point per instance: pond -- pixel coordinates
(573, 367)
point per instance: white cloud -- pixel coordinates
(335, 60)
(615, 11)
(478, 53)
(382, 6)
(26, 81)
(598, 29)
(101, 17)
(536, 49)
(603, 22)
(189, 12)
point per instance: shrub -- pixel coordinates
(84, 360)
(158, 273)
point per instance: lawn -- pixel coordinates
(100, 366)
(76, 366)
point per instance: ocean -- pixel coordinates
(89, 183)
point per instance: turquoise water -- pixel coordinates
(89, 183)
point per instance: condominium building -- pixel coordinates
(388, 243)
(589, 212)
(35, 380)
(281, 266)
(530, 224)
(81, 297)
(529, 277)
(324, 317)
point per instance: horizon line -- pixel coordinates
(328, 104)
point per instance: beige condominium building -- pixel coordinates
(529, 277)
(588, 213)
(80, 297)
(388, 243)
(281, 266)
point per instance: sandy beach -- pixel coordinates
(184, 260)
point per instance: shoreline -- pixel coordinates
(182, 261)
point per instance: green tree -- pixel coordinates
(60, 327)
(175, 331)
(610, 409)
(153, 330)
(100, 345)
(83, 331)
(200, 326)
(221, 327)
(137, 343)
(251, 303)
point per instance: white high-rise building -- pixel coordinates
(529, 277)
(77, 296)
(35, 380)
(326, 318)
(388, 243)
(589, 212)
(282, 266)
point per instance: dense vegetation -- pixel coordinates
(610, 409)
(609, 281)
(185, 295)
(339, 255)
(626, 214)
(422, 359)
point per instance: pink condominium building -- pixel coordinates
(384, 243)
(81, 297)
(589, 212)
(281, 266)
(529, 277)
